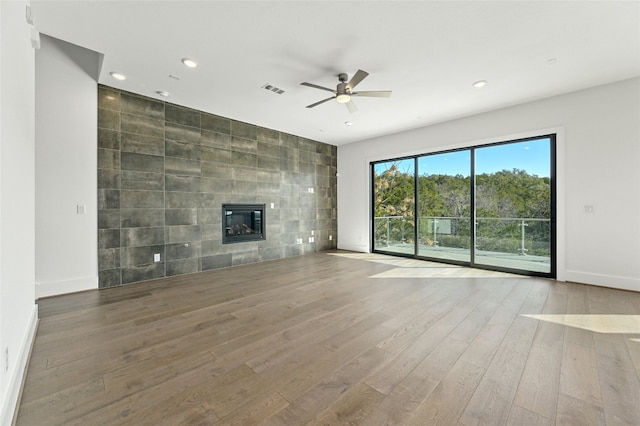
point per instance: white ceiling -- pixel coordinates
(427, 52)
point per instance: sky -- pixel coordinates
(532, 156)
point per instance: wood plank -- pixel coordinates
(334, 338)
(539, 386)
(262, 408)
(579, 377)
(619, 383)
(577, 304)
(352, 408)
(616, 369)
(491, 402)
(574, 411)
(405, 398)
(520, 416)
(445, 404)
(414, 351)
(303, 408)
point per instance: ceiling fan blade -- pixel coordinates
(374, 93)
(315, 86)
(320, 102)
(351, 107)
(357, 78)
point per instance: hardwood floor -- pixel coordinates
(337, 338)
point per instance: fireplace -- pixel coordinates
(243, 222)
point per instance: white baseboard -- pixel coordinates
(17, 375)
(354, 247)
(54, 288)
(611, 281)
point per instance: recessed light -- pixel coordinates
(480, 83)
(189, 62)
(118, 76)
(162, 93)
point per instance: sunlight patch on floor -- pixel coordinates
(414, 268)
(622, 324)
(412, 273)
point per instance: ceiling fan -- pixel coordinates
(344, 91)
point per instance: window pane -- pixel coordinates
(444, 206)
(513, 205)
(393, 206)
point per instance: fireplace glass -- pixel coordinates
(242, 222)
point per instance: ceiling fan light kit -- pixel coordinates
(344, 91)
(343, 98)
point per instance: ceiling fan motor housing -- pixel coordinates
(343, 89)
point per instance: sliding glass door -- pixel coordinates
(394, 206)
(513, 205)
(489, 206)
(444, 206)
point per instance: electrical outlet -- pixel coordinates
(156, 257)
(81, 209)
(6, 359)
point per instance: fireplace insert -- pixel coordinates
(243, 222)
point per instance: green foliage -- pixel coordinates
(513, 194)
(395, 199)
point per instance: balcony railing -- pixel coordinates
(522, 236)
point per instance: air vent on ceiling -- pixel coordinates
(273, 89)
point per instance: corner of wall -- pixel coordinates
(18, 374)
(73, 285)
(602, 280)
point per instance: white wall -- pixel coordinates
(66, 164)
(598, 164)
(18, 312)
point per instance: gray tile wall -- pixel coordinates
(164, 172)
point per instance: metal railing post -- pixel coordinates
(388, 231)
(523, 250)
(435, 232)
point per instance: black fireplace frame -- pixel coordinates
(247, 209)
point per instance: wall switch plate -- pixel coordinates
(156, 257)
(81, 209)
(330, 237)
(273, 205)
